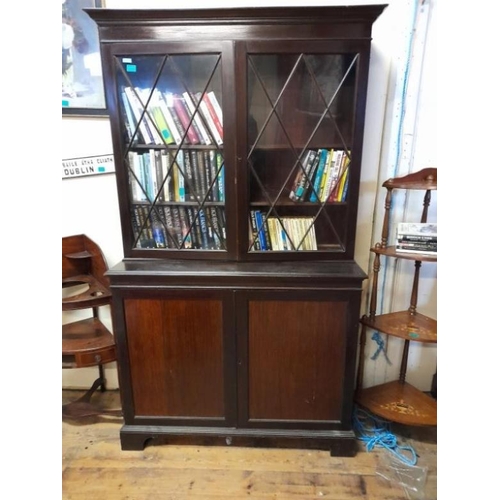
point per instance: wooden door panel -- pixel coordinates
(296, 360)
(176, 357)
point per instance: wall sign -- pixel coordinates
(88, 165)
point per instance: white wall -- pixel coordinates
(90, 206)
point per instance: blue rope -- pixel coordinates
(375, 432)
(381, 347)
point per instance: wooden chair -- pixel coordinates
(86, 342)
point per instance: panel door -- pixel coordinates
(177, 366)
(295, 359)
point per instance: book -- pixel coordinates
(189, 182)
(182, 113)
(195, 242)
(334, 178)
(211, 118)
(136, 177)
(132, 129)
(173, 122)
(338, 191)
(194, 219)
(207, 169)
(253, 232)
(417, 237)
(169, 226)
(217, 108)
(216, 224)
(160, 119)
(220, 177)
(314, 196)
(166, 167)
(197, 120)
(138, 110)
(204, 229)
(144, 95)
(325, 174)
(185, 228)
(179, 188)
(423, 229)
(260, 230)
(201, 175)
(196, 174)
(300, 182)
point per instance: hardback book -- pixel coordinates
(160, 118)
(136, 177)
(339, 169)
(195, 231)
(422, 229)
(137, 110)
(302, 179)
(173, 121)
(216, 106)
(316, 186)
(197, 120)
(220, 177)
(185, 227)
(130, 121)
(182, 113)
(211, 118)
(143, 95)
(417, 237)
(254, 232)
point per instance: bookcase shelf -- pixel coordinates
(398, 400)
(236, 306)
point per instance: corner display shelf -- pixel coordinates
(85, 342)
(237, 137)
(398, 401)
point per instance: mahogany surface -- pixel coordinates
(234, 346)
(400, 402)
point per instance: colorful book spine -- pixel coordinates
(137, 110)
(218, 110)
(211, 118)
(314, 196)
(183, 115)
(197, 121)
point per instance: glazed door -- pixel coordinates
(173, 168)
(302, 149)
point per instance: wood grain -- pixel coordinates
(94, 466)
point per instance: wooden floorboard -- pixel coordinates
(95, 468)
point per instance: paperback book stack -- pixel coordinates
(417, 237)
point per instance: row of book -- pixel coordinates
(417, 237)
(186, 175)
(324, 176)
(179, 227)
(285, 233)
(187, 118)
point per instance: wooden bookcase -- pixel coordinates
(224, 335)
(399, 401)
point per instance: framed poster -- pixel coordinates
(82, 83)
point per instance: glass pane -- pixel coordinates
(300, 126)
(173, 131)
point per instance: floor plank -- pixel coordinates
(95, 468)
